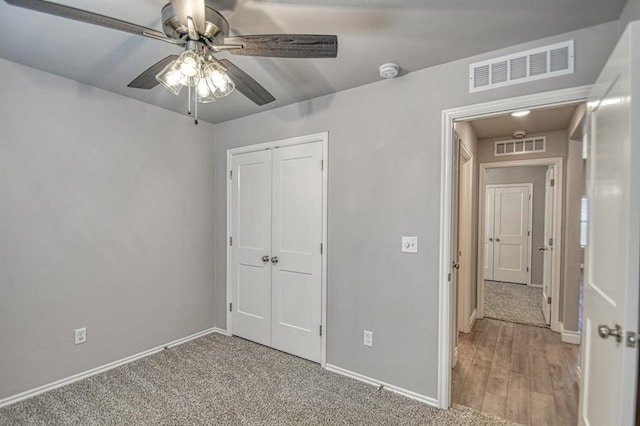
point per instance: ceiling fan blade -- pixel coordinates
(89, 18)
(247, 85)
(286, 45)
(190, 8)
(147, 80)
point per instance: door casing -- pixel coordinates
(318, 137)
(557, 165)
(489, 109)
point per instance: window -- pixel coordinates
(583, 221)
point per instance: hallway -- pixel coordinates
(519, 372)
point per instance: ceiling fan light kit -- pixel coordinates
(202, 31)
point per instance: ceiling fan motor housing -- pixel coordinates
(215, 26)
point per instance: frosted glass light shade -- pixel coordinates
(203, 92)
(218, 81)
(170, 78)
(189, 68)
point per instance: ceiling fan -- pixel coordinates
(201, 31)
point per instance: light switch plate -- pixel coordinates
(409, 244)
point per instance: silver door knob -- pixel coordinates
(498, 239)
(456, 265)
(490, 239)
(265, 259)
(604, 332)
(274, 259)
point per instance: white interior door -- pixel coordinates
(276, 259)
(489, 203)
(297, 235)
(547, 248)
(511, 239)
(251, 246)
(610, 365)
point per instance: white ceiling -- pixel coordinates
(538, 121)
(414, 33)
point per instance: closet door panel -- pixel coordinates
(296, 238)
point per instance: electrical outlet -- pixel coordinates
(368, 338)
(81, 335)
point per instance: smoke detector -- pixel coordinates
(389, 70)
(519, 134)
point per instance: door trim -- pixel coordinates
(300, 140)
(481, 217)
(449, 116)
(465, 227)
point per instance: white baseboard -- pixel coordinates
(76, 377)
(567, 336)
(374, 382)
(472, 319)
(221, 331)
(535, 285)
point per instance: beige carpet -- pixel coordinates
(517, 303)
(228, 381)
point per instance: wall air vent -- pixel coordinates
(520, 146)
(534, 64)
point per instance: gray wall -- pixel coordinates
(556, 147)
(106, 218)
(631, 12)
(535, 175)
(384, 182)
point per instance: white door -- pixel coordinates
(610, 367)
(297, 234)
(511, 234)
(251, 246)
(547, 247)
(276, 260)
(488, 232)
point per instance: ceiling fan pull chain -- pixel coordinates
(195, 106)
(189, 101)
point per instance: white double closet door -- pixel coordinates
(507, 232)
(276, 260)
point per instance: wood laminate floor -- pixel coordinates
(518, 372)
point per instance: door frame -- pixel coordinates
(465, 228)
(481, 222)
(449, 116)
(300, 140)
(557, 164)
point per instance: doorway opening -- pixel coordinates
(509, 358)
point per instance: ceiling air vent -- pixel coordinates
(534, 64)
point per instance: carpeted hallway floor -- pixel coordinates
(228, 381)
(516, 303)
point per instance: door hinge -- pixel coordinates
(230, 174)
(550, 241)
(449, 277)
(321, 164)
(528, 233)
(632, 339)
(552, 183)
(549, 300)
(321, 330)
(527, 269)
(230, 241)
(231, 307)
(321, 248)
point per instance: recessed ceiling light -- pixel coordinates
(520, 113)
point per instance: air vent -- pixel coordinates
(534, 64)
(520, 146)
